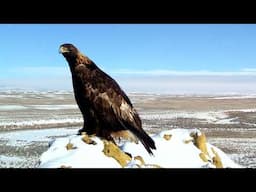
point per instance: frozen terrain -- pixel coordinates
(30, 119)
(175, 149)
(23, 148)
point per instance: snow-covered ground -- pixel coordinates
(41, 122)
(24, 137)
(243, 110)
(177, 148)
(31, 107)
(22, 149)
(237, 97)
(215, 117)
(10, 161)
(227, 120)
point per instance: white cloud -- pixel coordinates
(184, 73)
(249, 70)
(210, 85)
(64, 71)
(43, 77)
(154, 81)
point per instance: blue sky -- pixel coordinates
(29, 52)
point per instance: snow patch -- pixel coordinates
(18, 138)
(253, 110)
(215, 117)
(236, 97)
(54, 107)
(42, 122)
(10, 158)
(175, 149)
(11, 107)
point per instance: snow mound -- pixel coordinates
(177, 148)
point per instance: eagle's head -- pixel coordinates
(68, 50)
(73, 56)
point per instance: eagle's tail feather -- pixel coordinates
(146, 140)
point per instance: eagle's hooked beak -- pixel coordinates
(63, 50)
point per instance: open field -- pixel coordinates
(229, 122)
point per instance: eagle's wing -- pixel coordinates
(127, 116)
(111, 98)
(112, 105)
(107, 98)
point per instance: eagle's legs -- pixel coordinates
(87, 131)
(88, 127)
(82, 130)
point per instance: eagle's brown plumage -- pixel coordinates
(106, 109)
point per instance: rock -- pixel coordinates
(112, 150)
(64, 166)
(200, 142)
(203, 157)
(70, 146)
(216, 159)
(167, 137)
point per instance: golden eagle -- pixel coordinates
(106, 109)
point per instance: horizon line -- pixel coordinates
(50, 70)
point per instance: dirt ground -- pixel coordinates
(236, 136)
